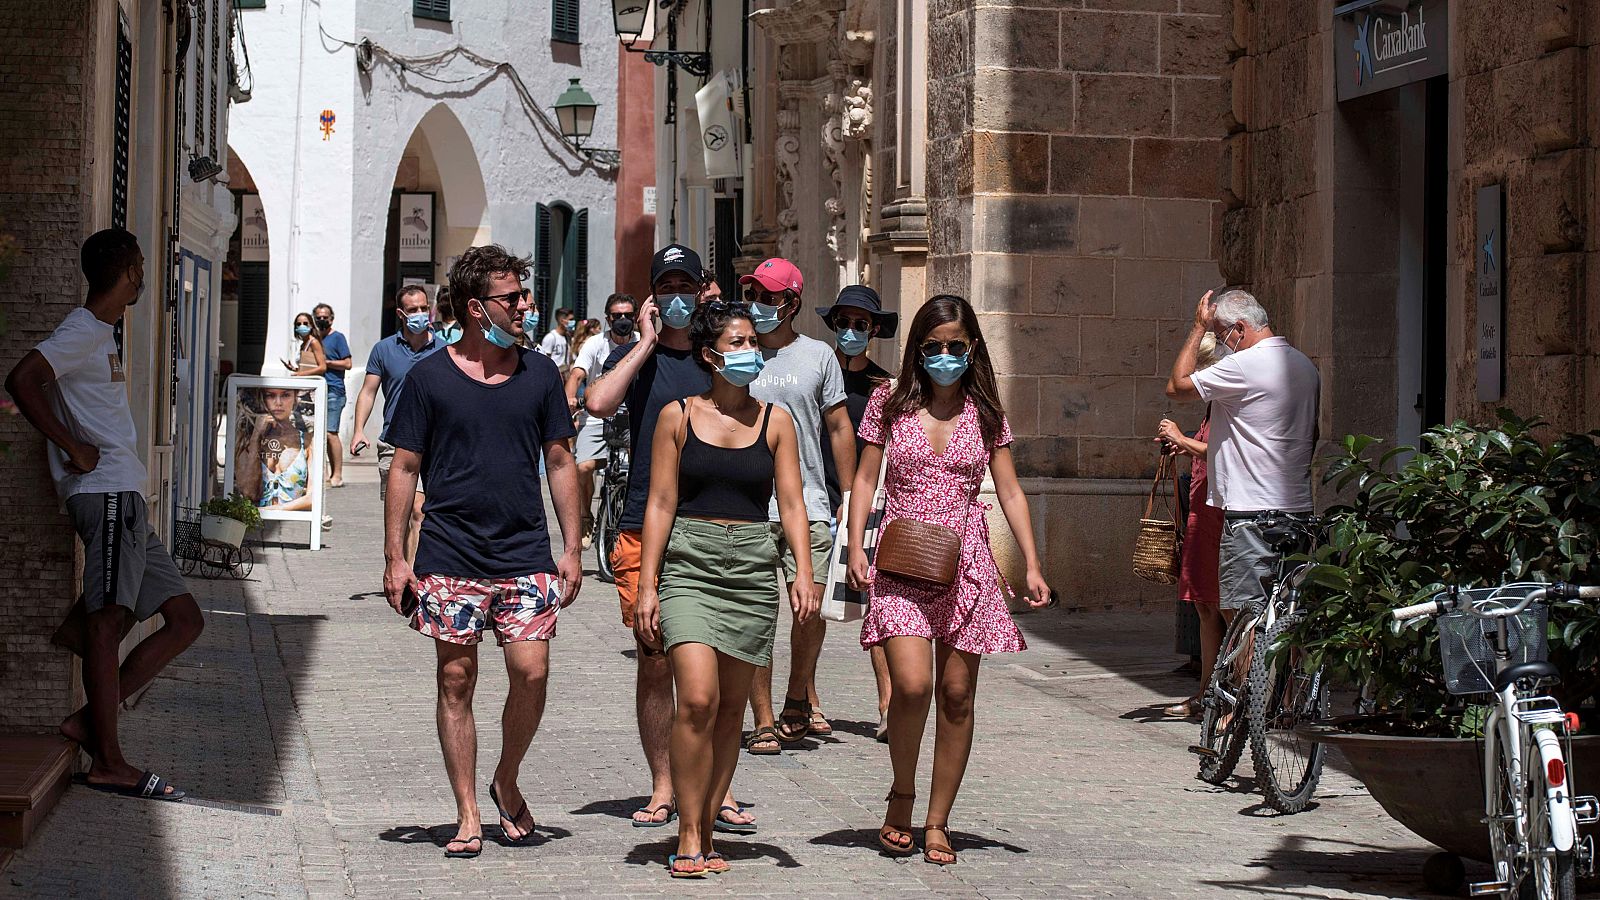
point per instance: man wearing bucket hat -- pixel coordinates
(855, 318)
(803, 376)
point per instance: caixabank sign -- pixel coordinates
(1383, 44)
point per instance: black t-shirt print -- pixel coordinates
(483, 513)
(667, 376)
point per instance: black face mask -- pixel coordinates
(622, 327)
(324, 324)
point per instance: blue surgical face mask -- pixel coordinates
(946, 369)
(850, 342)
(740, 367)
(417, 323)
(676, 310)
(530, 321)
(766, 318)
(302, 330)
(496, 335)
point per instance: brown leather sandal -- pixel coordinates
(890, 846)
(929, 846)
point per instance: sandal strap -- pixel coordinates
(802, 706)
(894, 795)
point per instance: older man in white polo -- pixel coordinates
(1264, 400)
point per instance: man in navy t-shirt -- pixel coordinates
(337, 351)
(472, 423)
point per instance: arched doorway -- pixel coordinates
(437, 209)
(244, 309)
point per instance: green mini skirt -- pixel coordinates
(719, 587)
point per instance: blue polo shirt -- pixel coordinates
(391, 360)
(334, 346)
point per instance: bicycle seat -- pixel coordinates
(1515, 673)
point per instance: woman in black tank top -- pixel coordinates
(707, 579)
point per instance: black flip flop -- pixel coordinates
(526, 835)
(787, 734)
(150, 786)
(464, 854)
(721, 824)
(672, 813)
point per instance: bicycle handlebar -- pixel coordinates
(1446, 603)
(1428, 608)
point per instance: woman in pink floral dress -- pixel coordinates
(942, 426)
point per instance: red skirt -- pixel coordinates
(1202, 542)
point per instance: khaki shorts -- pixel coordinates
(385, 459)
(821, 552)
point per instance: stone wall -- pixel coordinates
(1314, 190)
(1072, 184)
(46, 151)
(1526, 87)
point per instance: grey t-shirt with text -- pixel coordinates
(804, 378)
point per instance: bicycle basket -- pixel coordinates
(1466, 642)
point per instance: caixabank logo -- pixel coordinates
(1387, 41)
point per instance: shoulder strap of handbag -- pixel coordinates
(1179, 524)
(1155, 486)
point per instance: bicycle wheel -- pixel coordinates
(1504, 810)
(613, 496)
(1283, 696)
(1226, 702)
(1552, 875)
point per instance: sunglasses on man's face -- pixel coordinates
(613, 316)
(762, 295)
(510, 298)
(852, 323)
(934, 348)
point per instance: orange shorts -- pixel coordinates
(625, 569)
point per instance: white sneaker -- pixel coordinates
(327, 522)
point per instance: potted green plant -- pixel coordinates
(1473, 506)
(224, 520)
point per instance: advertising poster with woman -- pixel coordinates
(276, 458)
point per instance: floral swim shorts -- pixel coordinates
(458, 610)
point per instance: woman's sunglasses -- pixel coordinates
(934, 348)
(719, 307)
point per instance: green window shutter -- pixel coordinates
(564, 21)
(580, 276)
(541, 266)
(438, 10)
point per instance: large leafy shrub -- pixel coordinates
(1473, 506)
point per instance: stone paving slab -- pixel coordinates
(307, 697)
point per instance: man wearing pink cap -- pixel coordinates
(802, 375)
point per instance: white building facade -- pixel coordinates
(384, 137)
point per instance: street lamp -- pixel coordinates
(632, 18)
(575, 117)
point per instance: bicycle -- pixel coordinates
(613, 493)
(1529, 798)
(1224, 724)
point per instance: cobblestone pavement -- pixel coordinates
(303, 725)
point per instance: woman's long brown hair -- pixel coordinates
(914, 388)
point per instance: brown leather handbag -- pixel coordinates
(921, 551)
(1158, 549)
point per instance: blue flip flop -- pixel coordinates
(672, 813)
(720, 824)
(672, 867)
(526, 835)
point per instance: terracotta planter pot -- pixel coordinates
(1434, 786)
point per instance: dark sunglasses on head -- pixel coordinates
(720, 306)
(934, 348)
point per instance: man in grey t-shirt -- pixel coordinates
(802, 376)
